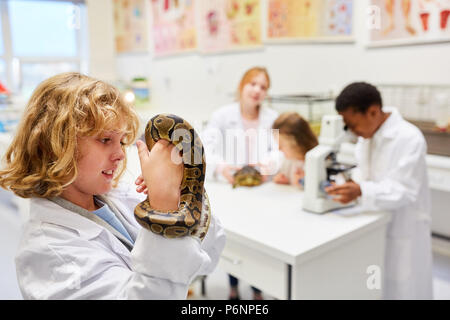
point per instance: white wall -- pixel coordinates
(102, 56)
(194, 85)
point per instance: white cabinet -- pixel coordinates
(288, 253)
(439, 172)
(260, 269)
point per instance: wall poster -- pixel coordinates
(322, 20)
(402, 22)
(174, 26)
(229, 25)
(130, 26)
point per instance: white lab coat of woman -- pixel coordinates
(72, 255)
(394, 178)
(224, 140)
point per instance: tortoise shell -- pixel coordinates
(248, 176)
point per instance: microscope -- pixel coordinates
(322, 168)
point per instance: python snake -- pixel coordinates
(194, 212)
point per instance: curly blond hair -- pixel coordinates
(42, 158)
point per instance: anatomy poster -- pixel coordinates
(309, 19)
(174, 26)
(397, 22)
(338, 18)
(229, 25)
(130, 26)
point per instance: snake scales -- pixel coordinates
(194, 214)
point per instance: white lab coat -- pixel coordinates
(394, 177)
(63, 255)
(226, 127)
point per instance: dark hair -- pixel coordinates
(359, 96)
(292, 124)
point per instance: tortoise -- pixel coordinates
(247, 176)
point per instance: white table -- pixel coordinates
(291, 254)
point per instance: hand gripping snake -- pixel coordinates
(194, 214)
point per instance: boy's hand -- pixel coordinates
(162, 176)
(345, 193)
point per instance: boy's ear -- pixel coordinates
(373, 110)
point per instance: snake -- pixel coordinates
(193, 215)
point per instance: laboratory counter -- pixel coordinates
(276, 246)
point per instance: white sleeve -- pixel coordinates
(186, 257)
(177, 260)
(213, 143)
(71, 267)
(274, 158)
(402, 183)
(213, 244)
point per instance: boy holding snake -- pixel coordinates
(81, 240)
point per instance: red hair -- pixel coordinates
(249, 75)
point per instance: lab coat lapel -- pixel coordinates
(265, 119)
(380, 151)
(119, 243)
(365, 155)
(50, 211)
(371, 153)
(235, 119)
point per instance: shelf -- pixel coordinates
(438, 142)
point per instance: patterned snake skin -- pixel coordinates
(194, 214)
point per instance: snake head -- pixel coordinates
(160, 127)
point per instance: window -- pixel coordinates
(32, 73)
(42, 28)
(1, 32)
(2, 58)
(40, 38)
(2, 71)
